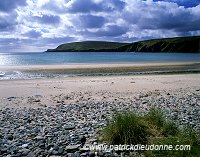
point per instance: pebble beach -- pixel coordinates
(57, 117)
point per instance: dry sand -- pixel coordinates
(51, 92)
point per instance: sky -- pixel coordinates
(37, 25)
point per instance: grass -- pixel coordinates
(126, 128)
(152, 128)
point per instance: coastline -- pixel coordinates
(91, 65)
(74, 70)
(82, 105)
(123, 86)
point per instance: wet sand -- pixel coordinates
(105, 67)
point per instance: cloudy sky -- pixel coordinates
(36, 25)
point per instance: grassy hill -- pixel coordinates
(179, 44)
(88, 46)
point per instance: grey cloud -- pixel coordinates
(57, 40)
(84, 7)
(52, 5)
(111, 20)
(8, 22)
(166, 16)
(117, 4)
(9, 44)
(10, 5)
(47, 19)
(8, 18)
(110, 31)
(81, 6)
(90, 21)
(33, 34)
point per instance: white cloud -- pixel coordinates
(53, 22)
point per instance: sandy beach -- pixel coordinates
(97, 78)
(55, 116)
(46, 117)
(51, 92)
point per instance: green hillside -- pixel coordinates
(179, 44)
(88, 46)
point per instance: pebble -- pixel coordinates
(25, 145)
(72, 147)
(25, 152)
(69, 127)
(63, 130)
(39, 138)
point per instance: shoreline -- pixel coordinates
(116, 86)
(90, 65)
(47, 109)
(77, 70)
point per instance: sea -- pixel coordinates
(57, 58)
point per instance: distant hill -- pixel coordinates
(179, 44)
(88, 46)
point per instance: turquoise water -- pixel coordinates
(94, 57)
(12, 59)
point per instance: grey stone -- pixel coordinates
(39, 138)
(69, 127)
(54, 152)
(25, 145)
(25, 151)
(31, 154)
(10, 137)
(72, 147)
(60, 150)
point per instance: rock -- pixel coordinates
(82, 139)
(69, 127)
(71, 155)
(77, 153)
(37, 100)
(31, 154)
(38, 95)
(24, 145)
(10, 137)
(25, 151)
(54, 152)
(42, 145)
(12, 97)
(39, 138)
(17, 155)
(60, 150)
(83, 155)
(4, 150)
(65, 129)
(91, 154)
(71, 148)
(144, 102)
(21, 128)
(92, 140)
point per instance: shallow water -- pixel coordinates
(7, 59)
(93, 57)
